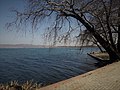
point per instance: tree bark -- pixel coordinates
(118, 42)
(98, 45)
(118, 45)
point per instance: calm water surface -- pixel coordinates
(44, 65)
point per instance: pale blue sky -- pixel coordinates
(14, 37)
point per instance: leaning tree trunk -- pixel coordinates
(118, 45)
(118, 42)
(105, 44)
(98, 45)
(109, 49)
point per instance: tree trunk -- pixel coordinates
(105, 44)
(98, 45)
(118, 45)
(109, 49)
(118, 42)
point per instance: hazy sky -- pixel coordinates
(14, 37)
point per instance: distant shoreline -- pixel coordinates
(36, 46)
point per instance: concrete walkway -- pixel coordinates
(105, 78)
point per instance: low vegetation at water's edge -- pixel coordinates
(14, 85)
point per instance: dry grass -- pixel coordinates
(14, 85)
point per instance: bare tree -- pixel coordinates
(98, 19)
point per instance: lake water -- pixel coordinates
(44, 65)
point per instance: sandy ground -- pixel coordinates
(105, 78)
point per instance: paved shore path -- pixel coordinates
(105, 78)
